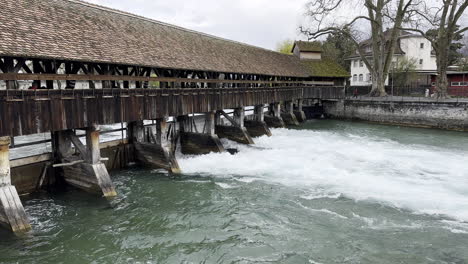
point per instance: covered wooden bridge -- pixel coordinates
(69, 66)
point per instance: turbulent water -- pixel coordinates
(327, 192)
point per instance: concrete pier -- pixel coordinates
(288, 115)
(236, 131)
(257, 127)
(12, 214)
(194, 143)
(82, 166)
(273, 119)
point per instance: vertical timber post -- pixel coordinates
(154, 151)
(94, 160)
(274, 118)
(259, 113)
(257, 127)
(288, 116)
(193, 143)
(12, 213)
(83, 167)
(299, 112)
(236, 131)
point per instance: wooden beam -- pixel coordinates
(229, 118)
(88, 77)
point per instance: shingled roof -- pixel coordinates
(79, 31)
(308, 46)
(325, 68)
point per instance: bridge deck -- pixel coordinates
(24, 112)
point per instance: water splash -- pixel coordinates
(420, 177)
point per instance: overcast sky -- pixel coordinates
(261, 23)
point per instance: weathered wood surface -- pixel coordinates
(257, 128)
(197, 143)
(104, 77)
(325, 92)
(27, 112)
(12, 213)
(300, 116)
(274, 121)
(155, 156)
(84, 169)
(234, 133)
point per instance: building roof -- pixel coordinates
(324, 68)
(79, 31)
(387, 36)
(308, 46)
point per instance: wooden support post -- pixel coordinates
(210, 123)
(273, 119)
(200, 143)
(288, 116)
(136, 131)
(158, 152)
(239, 116)
(84, 169)
(259, 113)
(258, 127)
(236, 131)
(299, 112)
(12, 214)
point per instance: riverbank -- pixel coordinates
(448, 114)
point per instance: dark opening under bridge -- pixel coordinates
(60, 77)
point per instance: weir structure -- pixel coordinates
(169, 88)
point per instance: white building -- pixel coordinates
(410, 46)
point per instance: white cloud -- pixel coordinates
(261, 23)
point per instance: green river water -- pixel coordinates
(326, 192)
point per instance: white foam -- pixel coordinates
(225, 185)
(421, 178)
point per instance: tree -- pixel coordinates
(379, 14)
(338, 47)
(404, 71)
(443, 19)
(285, 46)
(454, 54)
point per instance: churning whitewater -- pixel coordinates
(422, 177)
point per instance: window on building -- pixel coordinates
(433, 83)
(361, 77)
(455, 84)
(355, 63)
(355, 77)
(361, 64)
(421, 61)
(421, 45)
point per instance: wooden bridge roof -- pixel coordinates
(78, 31)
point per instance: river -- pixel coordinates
(326, 192)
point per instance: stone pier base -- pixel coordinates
(257, 128)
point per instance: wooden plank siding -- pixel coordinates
(24, 112)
